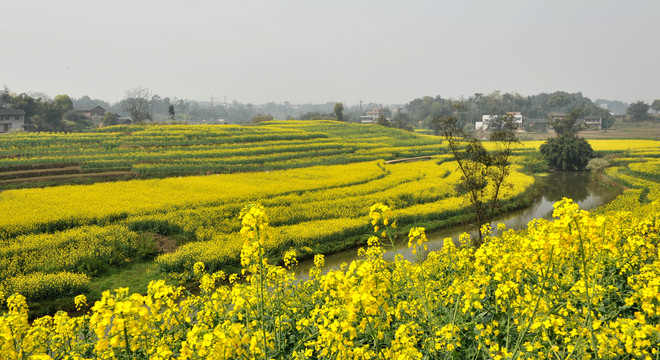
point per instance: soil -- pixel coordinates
(165, 244)
(68, 176)
(21, 172)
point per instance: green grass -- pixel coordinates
(620, 130)
(135, 276)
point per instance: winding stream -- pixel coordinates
(584, 189)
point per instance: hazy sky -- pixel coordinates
(313, 51)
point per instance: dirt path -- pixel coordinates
(68, 176)
(32, 171)
(418, 158)
(164, 244)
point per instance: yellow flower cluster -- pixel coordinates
(318, 219)
(582, 286)
(55, 208)
(417, 239)
(47, 286)
(45, 266)
(311, 209)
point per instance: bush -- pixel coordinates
(535, 162)
(598, 164)
(567, 153)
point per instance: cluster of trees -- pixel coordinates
(45, 114)
(417, 113)
(140, 104)
(639, 111)
(424, 110)
(165, 108)
(567, 151)
(484, 173)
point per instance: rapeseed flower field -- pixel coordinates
(581, 286)
(161, 151)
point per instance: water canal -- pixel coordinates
(586, 190)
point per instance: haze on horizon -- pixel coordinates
(383, 51)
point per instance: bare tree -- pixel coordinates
(484, 173)
(137, 102)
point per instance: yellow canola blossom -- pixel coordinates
(581, 286)
(53, 208)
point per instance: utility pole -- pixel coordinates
(212, 98)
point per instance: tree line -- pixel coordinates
(46, 114)
(424, 110)
(140, 104)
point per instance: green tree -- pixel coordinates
(339, 109)
(382, 120)
(48, 117)
(656, 105)
(567, 151)
(30, 105)
(559, 101)
(63, 103)
(608, 119)
(75, 121)
(638, 111)
(401, 120)
(568, 125)
(5, 97)
(110, 119)
(170, 110)
(484, 173)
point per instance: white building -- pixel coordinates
(11, 119)
(371, 116)
(485, 119)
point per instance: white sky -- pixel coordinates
(314, 51)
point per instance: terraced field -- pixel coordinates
(318, 177)
(585, 285)
(162, 151)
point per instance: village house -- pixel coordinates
(371, 116)
(11, 119)
(95, 115)
(485, 119)
(592, 122)
(556, 116)
(536, 125)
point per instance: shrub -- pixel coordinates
(567, 153)
(597, 164)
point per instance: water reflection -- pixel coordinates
(584, 189)
(557, 185)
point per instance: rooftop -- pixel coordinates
(12, 112)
